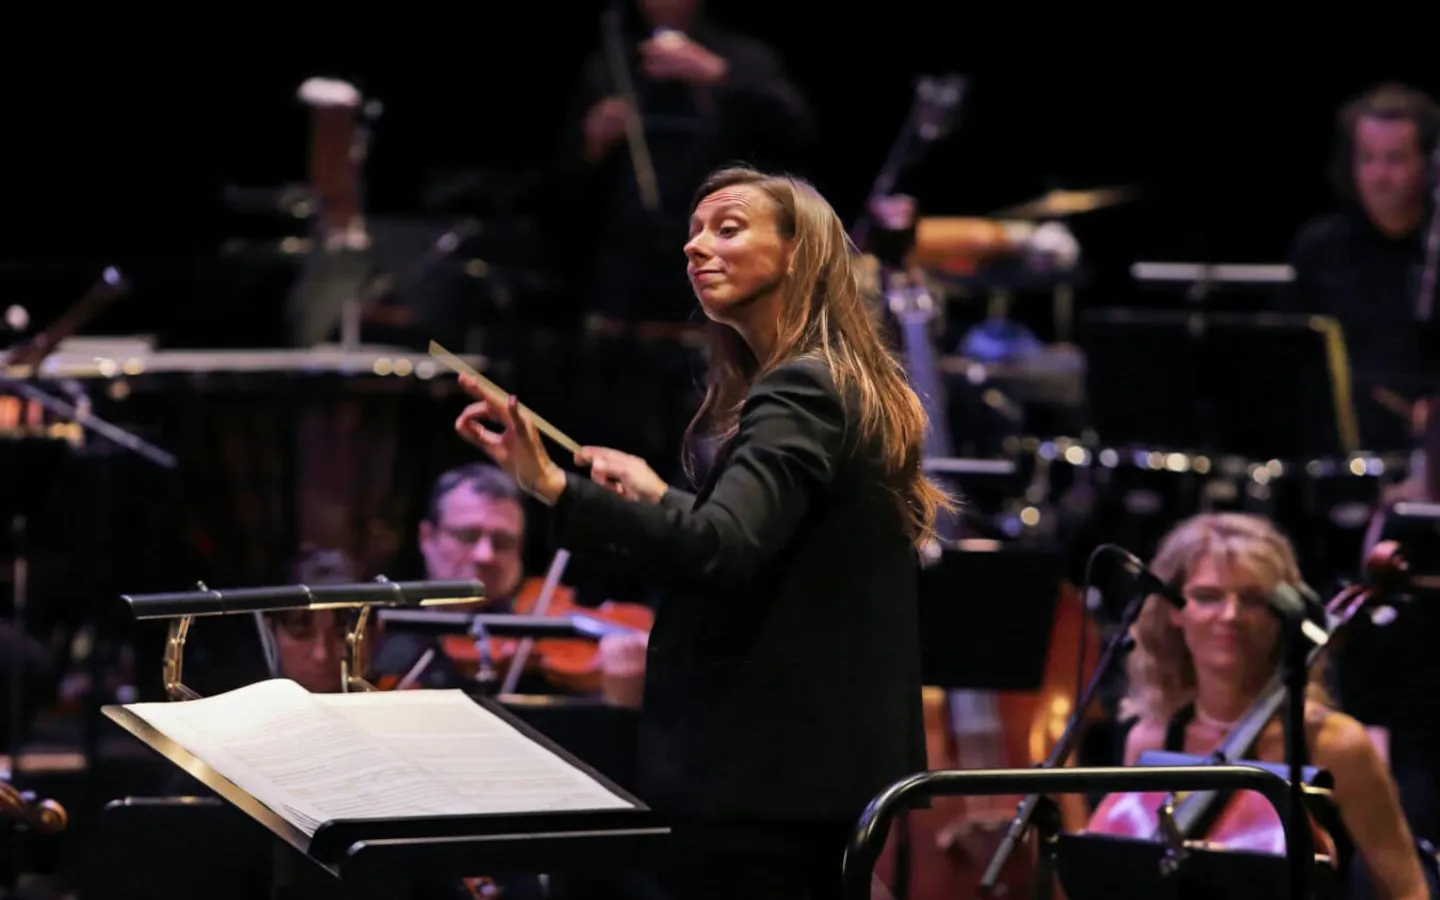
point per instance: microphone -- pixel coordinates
(1292, 602)
(1145, 579)
(381, 592)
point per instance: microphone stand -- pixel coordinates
(1297, 671)
(1040, 812)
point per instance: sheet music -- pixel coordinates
(282, 746)
(475, 753)
(407, 754)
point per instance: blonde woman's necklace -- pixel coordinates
(1212, 722)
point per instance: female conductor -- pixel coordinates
(782, 683)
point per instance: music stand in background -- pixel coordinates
(986, 617)
(1213, 286)
(1142, 381)
(985, 621)
(1259, 385)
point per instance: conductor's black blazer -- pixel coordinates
(783, 672)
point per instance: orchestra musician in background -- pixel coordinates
(1361, 264)
(474, 527)
(704, 95)
(1195, 672)
(782, 688)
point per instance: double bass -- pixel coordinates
(1245, 820)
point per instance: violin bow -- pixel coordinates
(542, 605)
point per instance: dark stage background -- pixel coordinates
(125, 128)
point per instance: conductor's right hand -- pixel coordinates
(626, 475)
(516, 447)
(604, 125)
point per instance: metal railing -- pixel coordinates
(874, 826)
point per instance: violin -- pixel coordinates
(1245, 820)
(569, 665)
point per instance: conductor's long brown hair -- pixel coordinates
(823, 313)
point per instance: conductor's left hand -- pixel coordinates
(515, 447)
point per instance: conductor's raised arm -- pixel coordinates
(785, 453)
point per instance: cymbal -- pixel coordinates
(1059, 204)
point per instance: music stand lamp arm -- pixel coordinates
(1026, 813)
(352, 667)
(180, 611)
(173, 678)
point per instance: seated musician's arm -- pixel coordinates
(784, 456)
(1369, 805)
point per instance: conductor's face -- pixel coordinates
(737, 257)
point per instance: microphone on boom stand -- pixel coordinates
(1037, 811)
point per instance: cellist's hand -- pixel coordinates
(516, 448)
(626, 475)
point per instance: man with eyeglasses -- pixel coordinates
(474, 527)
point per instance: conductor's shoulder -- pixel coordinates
(801, 377)
(802, 391)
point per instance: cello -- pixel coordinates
(1245, 820)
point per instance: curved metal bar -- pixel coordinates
(874, 825)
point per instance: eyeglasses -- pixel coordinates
(1214, 596)
(468, 537)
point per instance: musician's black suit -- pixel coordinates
(783, 674)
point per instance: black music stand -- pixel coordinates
(1263, 386)
(386, 858)
(986, 617)
(1101, 867)
(985, 623)
(200, 847)
(1092, 866)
